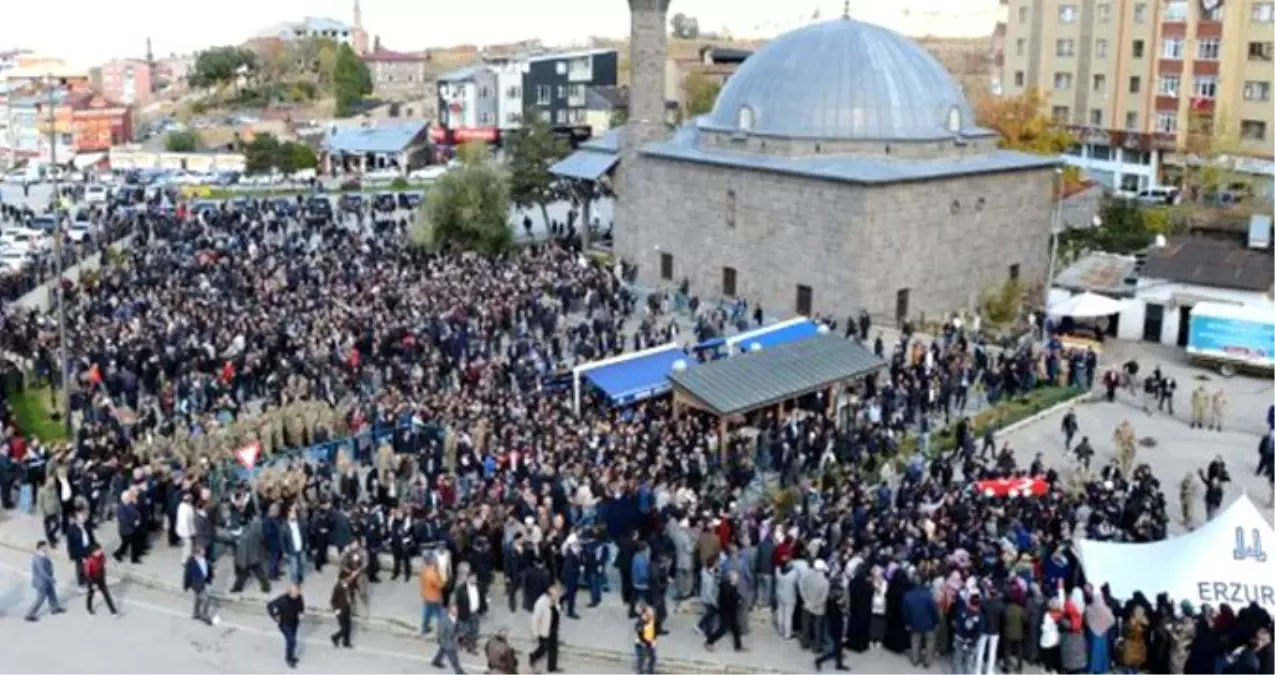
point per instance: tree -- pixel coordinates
(181, 141)
(1022, 125)
(532, 149)
(1206, 140)
(700, 93)
(467, 207)
(303, 156)
(1126, 227)
(261, 154)
(619, 117)
(684, 27)
(351, 80)
(219, 66)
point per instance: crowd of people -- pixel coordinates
(853, 528)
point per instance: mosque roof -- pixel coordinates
(843, 79)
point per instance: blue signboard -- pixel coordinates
(1236, 339)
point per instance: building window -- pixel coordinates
(562, 91)
(482, 92)
(1013, 270)
(1103, 12)
(1022, 15)
(542, 94)
(1019, 78)
(1257, 91)
(1062, 81)
(1206, 87)
(1101, 153)
(1259, 51)
(1263, 12)
(728, 282)
(1138, 47)
(1067, 14)
(1065, 48)
(1166, 122)
(1099, 84)
(1169, 85)
(1095, 117)
(560, 67)
(1210, 49)
(1100, 49)
(513, 92)
(1020, 47)
(560, 117)
(730, 209)
(1140, 12)
(805, 299)
(1252, 130)
(1173, 48)
(745, 118)
(1175, 10)
(484, 119)
(1060, 114)
(1135, 84)
(666, 266)
(1131, 121)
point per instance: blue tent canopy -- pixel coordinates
(628, 382)
(766, 336)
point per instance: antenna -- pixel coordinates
(845, 10)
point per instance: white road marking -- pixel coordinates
(68, 591)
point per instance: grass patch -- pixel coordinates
(1001, 415)
(34, 410)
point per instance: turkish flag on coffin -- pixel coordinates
(1013, 487)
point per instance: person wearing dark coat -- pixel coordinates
(79, 544)
(1202, 656)
(342, 532)
(860, 624)
(835, 619)
(536, 583)
(251, 554)
(896, 632)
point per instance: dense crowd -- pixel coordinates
(244, 325)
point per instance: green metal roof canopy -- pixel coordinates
(758, 379)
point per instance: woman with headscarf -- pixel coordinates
(1051, 637)
(860, 621)
(1134, 655)
(1072, 647)
(1099, 620)
(1202, 656)
(896, 639)
(876, 630)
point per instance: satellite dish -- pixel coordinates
(754, 347)
(679, 365)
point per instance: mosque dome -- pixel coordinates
(842, 79)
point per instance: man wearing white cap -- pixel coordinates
(813, 587)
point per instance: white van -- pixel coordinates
(1163, 195)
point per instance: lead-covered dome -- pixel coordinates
(842, 79)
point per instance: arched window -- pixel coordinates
(745, 118)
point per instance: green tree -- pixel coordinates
(532, 149)
(221, 65)
(700, 93)
(684, 27)
(303, 156)
(261, 154)
(467, 207)
(181, 141)
(619, 117)
(1126, 227)
(351, 81)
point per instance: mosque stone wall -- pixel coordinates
(948, 241)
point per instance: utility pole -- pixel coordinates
(63, 348)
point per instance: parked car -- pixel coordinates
(95, 194)
(1165, 195)
(382, 175)
(14, 260)
(429, 173)
(409, 200)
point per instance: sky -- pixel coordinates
(105, 29)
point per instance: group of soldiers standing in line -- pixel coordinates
(1207, 407)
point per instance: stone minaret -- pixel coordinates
(648, 51)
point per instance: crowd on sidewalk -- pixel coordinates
(238, 327)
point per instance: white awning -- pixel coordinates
(1086, 305)
(86, 159)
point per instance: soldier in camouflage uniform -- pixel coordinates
(1187, 494)
(1126, 446)
(1199, 402)
(1217, 409)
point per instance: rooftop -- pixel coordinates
(757, 379)
(1206, 261)
(554, 56)
(1100, 272)
(384, 138)
(389, 55)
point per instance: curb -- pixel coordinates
(402, 628)
(1080, 397)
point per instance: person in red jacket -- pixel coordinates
(95, 574)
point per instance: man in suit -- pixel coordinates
(286, 610)
(132, 532)
(198, 579)
(293, 534)
(43, 582)
(342, 604)
(471, 603)
(79, 543)
(545, 621)
(250, 557)
(447, 641)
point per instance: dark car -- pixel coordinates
(284, 206)
(409, 200)
(385, 201)
(318, 208)
(351, 202)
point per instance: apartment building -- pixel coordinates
(1129, 77)
(128, 81)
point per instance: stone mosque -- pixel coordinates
(840, 169)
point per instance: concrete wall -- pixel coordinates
(946, 241)
(1174, 298)
(42, 298)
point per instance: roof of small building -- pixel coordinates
(1205, 261)
(1100, 272)
(844, 79)
(384, 138)
(459, 75)
(756, 379)
(391, 56)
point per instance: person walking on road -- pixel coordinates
(95, 577)
(286, 610)
(341, 607)
(198, 579)
(43, 582)
(447, 646)
(132, 531)
(545, 624)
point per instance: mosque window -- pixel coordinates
(954, 120)
(956, 206)
(978, 205)
(745, 118)
(730, 208)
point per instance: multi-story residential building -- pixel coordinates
(468, 104)
(129, 81)
(80, 122)
(313, 27)
(1132, 77)
(557, 85)
(509, 74)
(396, 75)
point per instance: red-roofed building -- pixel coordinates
(396, 75)
(98, 122)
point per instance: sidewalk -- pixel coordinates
(603, 633)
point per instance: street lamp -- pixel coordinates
(1055, 228)
(63, 350)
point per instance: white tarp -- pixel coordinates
(1224, 561)
(85, 160)
(1086, 305)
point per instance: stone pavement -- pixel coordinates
(604, 633)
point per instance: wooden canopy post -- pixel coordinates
(722, 443)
